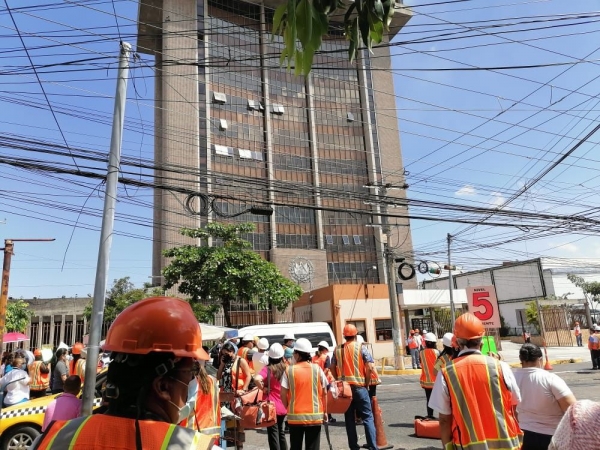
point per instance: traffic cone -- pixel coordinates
(382, 443)
(547, 366)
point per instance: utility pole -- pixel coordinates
(106, 232)
(394, 306)
(451, 283)
(8, 252)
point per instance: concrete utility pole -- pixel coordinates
(394, 306)
(8, 252)
(451, 283)
(106, 232)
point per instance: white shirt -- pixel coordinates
(19, 390)
(285, 382)
(259, 360)
(539, 411)
(440, 396)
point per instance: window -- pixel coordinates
(246, 154)
(222, 124)
(253, 105)
(277, 109)
(356, 239)
(223, 150)
(350, 117)
(345, 239)
(383, 329)
(220, 98)
(360, 327)
(257, 156)
(329, 239)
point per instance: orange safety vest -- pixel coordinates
(441, 362)
(305, 404)
(243, 353)
(350, 364)
(207, 411)
(428, 359)
(594, 342)
(102, 432)
(39, 381)
(577, 331)
(320, 361)
(412, 343)
(80, 369)
(482, 412)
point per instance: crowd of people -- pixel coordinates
(158, 393)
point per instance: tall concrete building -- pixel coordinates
(234, 125)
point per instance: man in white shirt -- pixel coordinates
(260, 358)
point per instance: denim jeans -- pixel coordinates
(361, 404)
(579, 339)
(416, 362)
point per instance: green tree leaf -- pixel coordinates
(17, 316)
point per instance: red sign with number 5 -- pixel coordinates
(483, 304)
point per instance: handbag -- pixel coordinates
(253, 410)
(339, 395)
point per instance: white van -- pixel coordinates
(315, 332)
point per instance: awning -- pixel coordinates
(431, 298)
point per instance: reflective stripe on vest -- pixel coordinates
(86, 432)
(441, 362)
(304, 396)
(80, 369)
(479, 424)
(428, 358)
(349, 358)
(208, 410)
(39, 381)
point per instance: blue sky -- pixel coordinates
(452, 151)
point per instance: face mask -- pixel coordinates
(185, 410)
(227, 358)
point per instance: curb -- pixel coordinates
(554, 362)
(401, 372)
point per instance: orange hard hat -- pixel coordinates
(157, 324)
(467, 326)
(350, 330)
(37, 352)
(77, 347)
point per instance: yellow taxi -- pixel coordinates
(20, 424)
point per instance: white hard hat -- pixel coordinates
(430, 337)
(323, 344)
(263, 344)
(447, 340)
(360, 339)
(303, 345)
(423, 331)
(62, 345)
(46, 355)
(597, 327)
(289, 336)
(276, 351)
(248, 337)
(83, 353)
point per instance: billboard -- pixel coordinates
(483, 304)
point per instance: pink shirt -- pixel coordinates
(275, 392)
(64, 407)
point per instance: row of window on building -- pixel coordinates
(345, 239)
(382, 327)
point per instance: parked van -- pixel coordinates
(315, 332)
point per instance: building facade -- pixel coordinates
(232, 124)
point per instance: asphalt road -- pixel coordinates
(401, 398)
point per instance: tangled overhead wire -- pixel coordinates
(208, 205)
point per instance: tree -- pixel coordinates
(122, 294)
(18, 316)
(216, 276)
(307, 21)
(531, 315)
(591, 291)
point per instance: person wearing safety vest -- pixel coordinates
(323, 360)
(304, 394)
(428, 357)
(79, 368)
(76, 356)
(594, 347)
(202, 411)
(476, 395)
(39, 371)
(578, 335)
(413, 347)
(153, 344)
(260, 358)
(448, 353)
(246, 345)
(375, 380)
(353, 363)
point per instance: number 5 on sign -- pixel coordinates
(483, 303)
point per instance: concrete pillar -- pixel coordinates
(62, 328)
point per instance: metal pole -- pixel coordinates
(394, 307)
(8, 252)
(451, 284)
(106, 232)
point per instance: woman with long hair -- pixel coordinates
(545, 398)
(448, 353)
(269, 379)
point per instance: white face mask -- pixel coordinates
(185, 410)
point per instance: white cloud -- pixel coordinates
(568, 247)
(497, 199)
(466, 191)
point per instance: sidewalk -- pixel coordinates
(556, 355)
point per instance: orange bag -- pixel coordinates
(427, 428)
(340, 404)
(261, 415)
